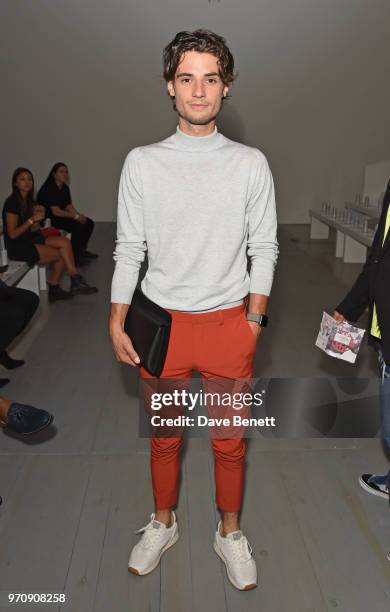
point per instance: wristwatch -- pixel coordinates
(261, 319)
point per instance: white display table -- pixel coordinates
(369, 211)
(351, 244)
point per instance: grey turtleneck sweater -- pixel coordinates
(199, 206)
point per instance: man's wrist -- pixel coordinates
(118, 314)
(116, 319)
(257, 304)
(259, 318)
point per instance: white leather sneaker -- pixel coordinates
(156, 539)
(236, 553)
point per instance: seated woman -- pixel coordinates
(56, 197)
(24, 240)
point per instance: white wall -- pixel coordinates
(376, 177)
(81, 83)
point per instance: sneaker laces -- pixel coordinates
(151, 534)
(241, 550)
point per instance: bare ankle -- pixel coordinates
(229, 523)
(164, 516)
(4, 405)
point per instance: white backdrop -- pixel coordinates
(81, 83)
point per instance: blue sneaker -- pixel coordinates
(376, 485)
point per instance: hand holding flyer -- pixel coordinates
(340, 340)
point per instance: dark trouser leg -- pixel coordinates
(11, 323)
(81, 233)
(384, 374)
(88, 229)
(385, 403)
(17, 307)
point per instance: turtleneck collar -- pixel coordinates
(185, 142)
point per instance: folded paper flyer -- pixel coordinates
(340, 340)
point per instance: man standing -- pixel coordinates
(199, 203)
(371, 289)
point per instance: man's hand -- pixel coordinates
(256, 328)
(121, 343)
(338, 317)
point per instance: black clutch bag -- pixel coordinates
(148, 327)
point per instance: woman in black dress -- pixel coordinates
(55, 196)
(25, 241)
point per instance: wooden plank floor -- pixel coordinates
(74, 495)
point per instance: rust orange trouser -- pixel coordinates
(219, 345)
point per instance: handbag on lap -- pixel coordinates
(148, 326)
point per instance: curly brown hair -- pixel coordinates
(203, 41)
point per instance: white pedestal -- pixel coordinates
(318, 229)
(340, 239)
(42, 278)
(354, 252)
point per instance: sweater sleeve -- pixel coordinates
(130, 243)
(262, 227)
